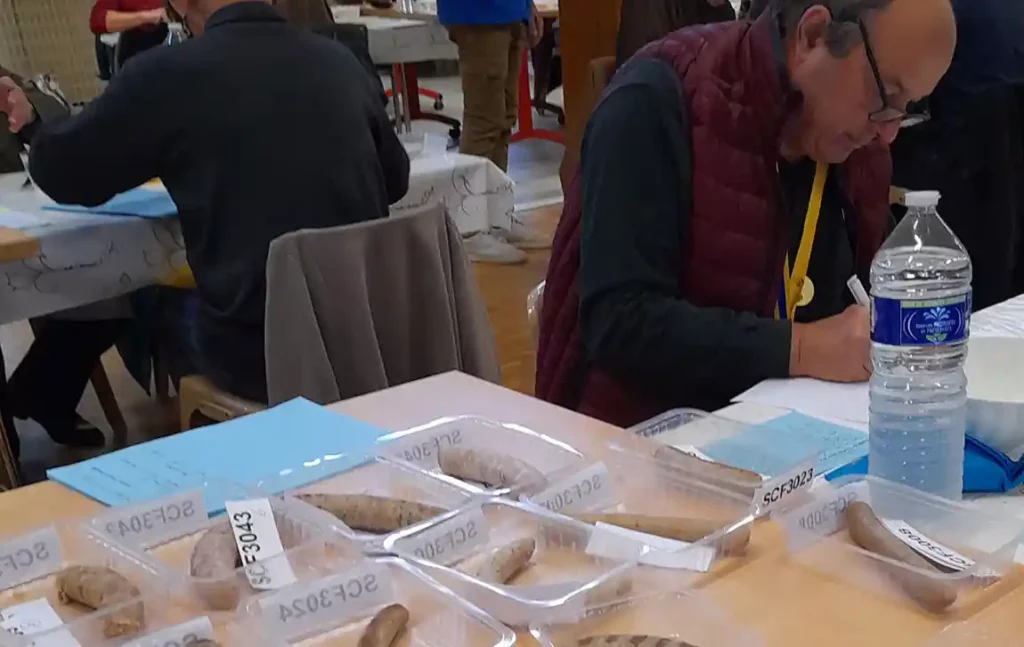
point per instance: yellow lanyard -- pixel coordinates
(793, 283)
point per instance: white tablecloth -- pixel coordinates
(401, 40)
(86, 258)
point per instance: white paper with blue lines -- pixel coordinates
(772, 447)
(285, 447)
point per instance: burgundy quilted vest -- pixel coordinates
(736, 244)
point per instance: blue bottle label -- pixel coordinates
(930, 322)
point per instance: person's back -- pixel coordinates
(257, 128)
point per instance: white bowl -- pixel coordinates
(995, 393)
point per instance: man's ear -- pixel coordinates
(813, 28)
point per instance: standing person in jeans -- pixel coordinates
(490, 36)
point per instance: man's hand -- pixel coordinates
(15, 105)
(535, 28)
(837, 349)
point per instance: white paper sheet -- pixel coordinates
(826, 400)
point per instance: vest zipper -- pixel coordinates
(777, 251)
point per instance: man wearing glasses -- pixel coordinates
(732, 179)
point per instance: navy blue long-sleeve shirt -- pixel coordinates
(257, 128)
(637, 199)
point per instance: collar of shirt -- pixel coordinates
(249, 11)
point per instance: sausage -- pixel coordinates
(215, 559)
(370, 513)
(501, 565)
(627, 640)
(870, 534)
(680, 528)
(385, 627)
(490, 470)
(735, 479)
(98, 587)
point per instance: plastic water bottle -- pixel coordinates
(920, 316)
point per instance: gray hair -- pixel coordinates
(843, 35)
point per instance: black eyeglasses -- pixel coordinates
(888, 113)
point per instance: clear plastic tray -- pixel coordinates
(975, 634)
(436, 615)
(712, 437)
(817, 535)
(419, 446)
(170, 621)
(383, 477)
(631, 483)
(685, 617)
(310, 538)
(560, 579)
(29, 568)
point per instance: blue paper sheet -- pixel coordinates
(139, 202)
(290, 445)
(771, 447)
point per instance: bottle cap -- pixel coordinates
(921, 198)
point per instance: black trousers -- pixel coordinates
(973, 152)
(48, 384)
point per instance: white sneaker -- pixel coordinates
(484, 247)
(524, 237)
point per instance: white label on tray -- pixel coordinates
(696, 453)
(300, 610)
(693, 451)
(623, 544)
(827, 514)
(785, 487)
(1018, 555)
(448, 540)
(933, 550)
(179, 635)
(420, 448)
(259, 544)
(30, 557)
(154, 522)
(588, 488)
(35, 617)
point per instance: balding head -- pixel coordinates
(829, 61)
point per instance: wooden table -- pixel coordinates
(784, 603)
(17, 245)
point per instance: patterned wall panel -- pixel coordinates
(51, 36)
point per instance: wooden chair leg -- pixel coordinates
(10, 476)
(10, 470)
(161, 376)
(105, 394)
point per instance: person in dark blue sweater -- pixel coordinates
(257, 128)
(972, 149)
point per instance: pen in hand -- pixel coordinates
(860, 295)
